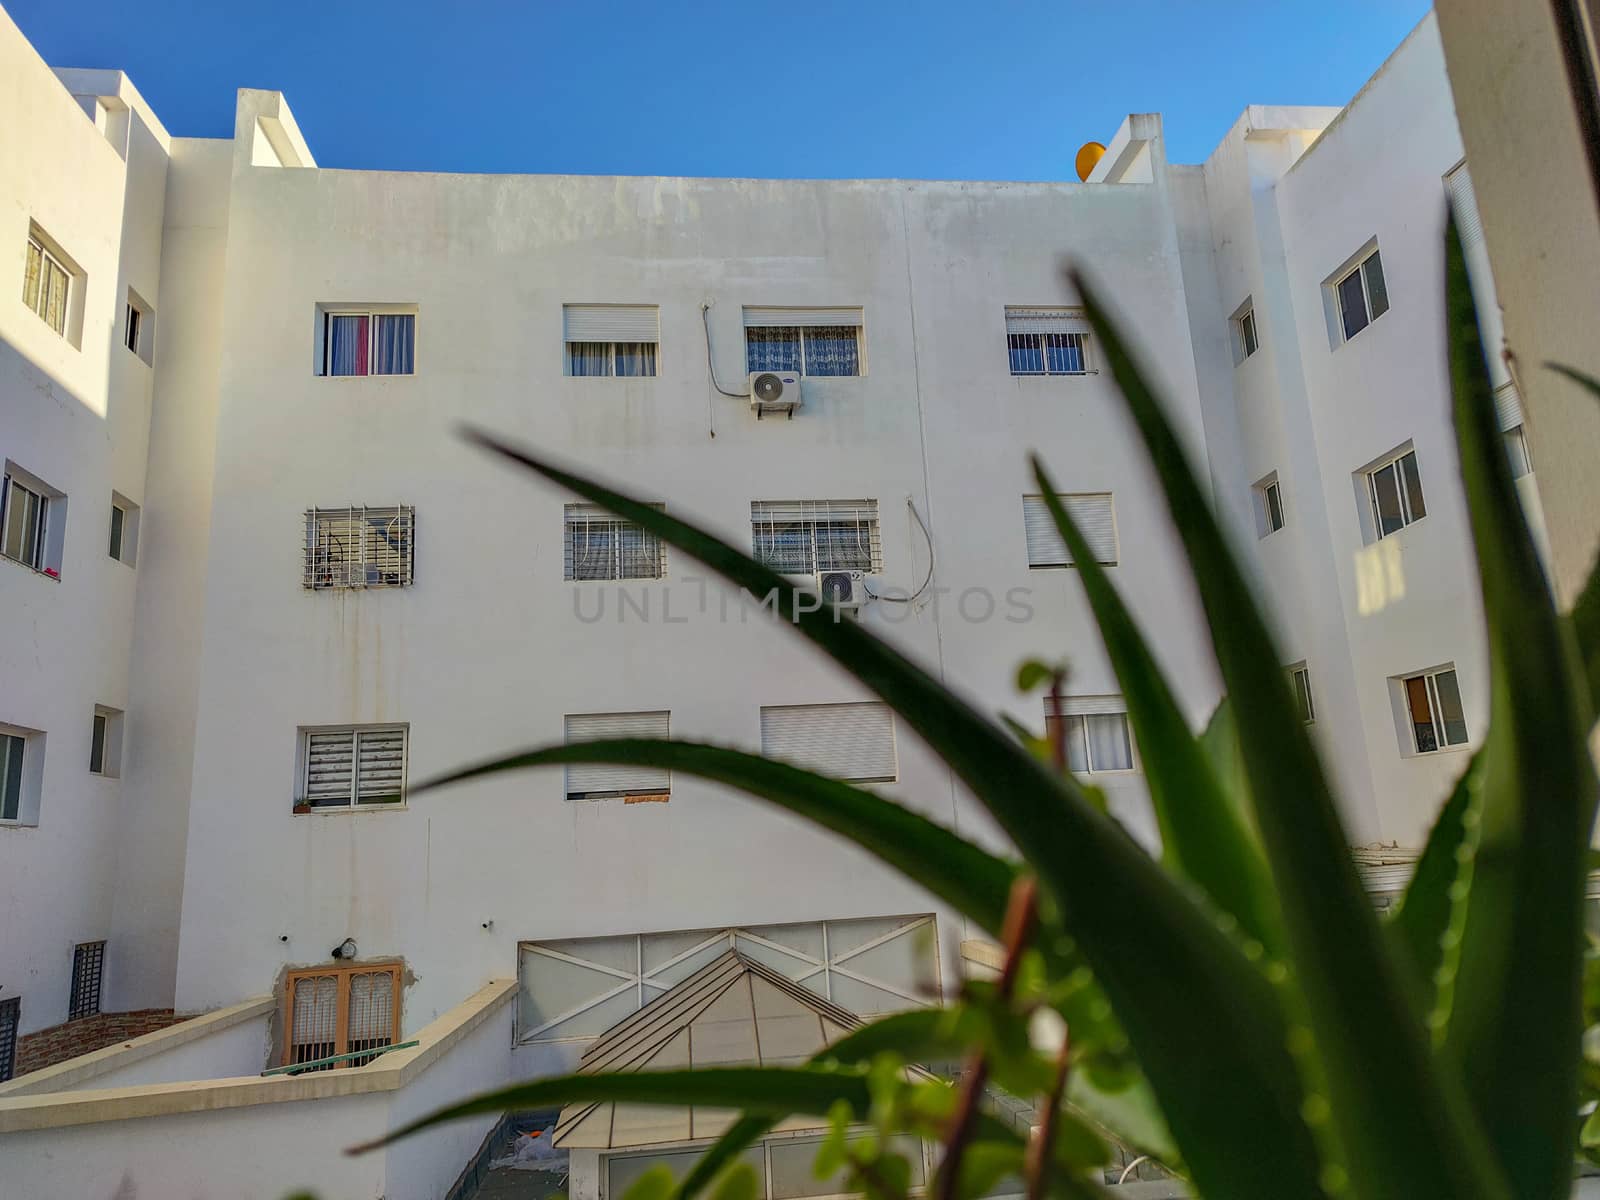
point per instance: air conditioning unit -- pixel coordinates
(774, 391)
(843, 589)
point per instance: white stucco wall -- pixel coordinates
(75, 416)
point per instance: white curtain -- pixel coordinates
(588, 358)
(1107, 736)
(636, 359)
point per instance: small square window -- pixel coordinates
(359, 547)
(1437, 718)
(1095, 516)
(1246, 336)
(600, 545)
(1096, 732)
(1269, 506)
(32, 521)
(1047, 341)
(52, 286)
(1247, 333)
(13, 753)
(352, 766)
(611, 781)
(1300, 678)
(1361, 295)
(1517, 451)
(105, 742)
(123, 543)
(138, 327)
(801, 537)
(815, 342)
(1394, 491)
(10, 1018)
(618, 340)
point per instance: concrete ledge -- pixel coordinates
(73, 1071)
(389, 1072)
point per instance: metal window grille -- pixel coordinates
(10, 1018)
(340, 1010)
(1047, 341)
(359, 547)
(46, 286)
(601, 545)
(805, 536)
(88, 967)
(357, 765)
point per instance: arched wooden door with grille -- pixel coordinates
(329, 1011)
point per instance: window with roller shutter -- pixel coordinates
(1092, 513)
(352, 766)
(601, 781)
(853, 742)
(611, 339)
(1047, 341)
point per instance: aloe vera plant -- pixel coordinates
(1236, 1009)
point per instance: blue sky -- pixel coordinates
(940, 89)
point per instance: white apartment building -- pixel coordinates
(254, 583)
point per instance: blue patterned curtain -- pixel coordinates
(772, 348)
(347, 345)
(832, 350)
(393, 345)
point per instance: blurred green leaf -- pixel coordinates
(1034, 674)
(738, 1182)
(1202, 837)
(1202, 1020)
(1395, 1122)
(1514, 1023)
(654, 1184)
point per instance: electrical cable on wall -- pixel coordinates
(927, 579)
(705, 321)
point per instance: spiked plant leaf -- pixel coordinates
(1201, 834)
(1204, 1024)
(1402, 1129)
(1515, 1022)
(1220, 742)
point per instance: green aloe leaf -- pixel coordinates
(1203, 1022)
(966, 877)
(1202, 836)
(1515, 1022)
(1401, 1128)
(1220, 743)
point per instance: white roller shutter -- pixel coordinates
(843, 741)
(1465, 206)
(1507, 406)
(364, 765)
(330, 764)
(1085, 706)
(596, 780)
(754, 317)
(1094, 517)
(1046, 320)
(611, 322)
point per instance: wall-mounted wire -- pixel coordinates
(927, 579)
(705, 321)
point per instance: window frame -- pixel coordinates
(320, 572)
(765, 1184)
(10, 1023)
(803, 333)
(1436, 719)
(1247, 334)
(1305, 698)
(343, 973)
(88, 980)
(98, 734)
(10, 485)
(1395, 461)
(1115, 707)
(1337, 282)
(49, 258)
(353, 802)
(1042, 556)
(13, 779)
(1269, 506)
(611, 361)
(325, 338)
(814, 515)
(579, 515)
(1516, 444)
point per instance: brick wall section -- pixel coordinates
(61, 1042)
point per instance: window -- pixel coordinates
(10, 1018)
(138, 326)
(1517, 452)
(801, 537)
(329, 1011)
(369, 343)
(1300, 677)
(88, 966)
(598, 781)
(812, 341)
(32, 521)
(105, 742)
(854, 742)
(352, 766)
(13, 748)
(1093, 515)
(1244, 335)
(359, 547)
(1047, 341)
(1361, 295)
(1269, 506)
(1096, 731)
(130, 328)
(1395, 490)
(1433, 705)
(600, 545)
(47, 285)
(611, 339)
(124, 540)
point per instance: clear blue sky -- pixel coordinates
(939, 89)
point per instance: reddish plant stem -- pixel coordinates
(1022, 911)
(1057, 726)
(1038, 1160)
